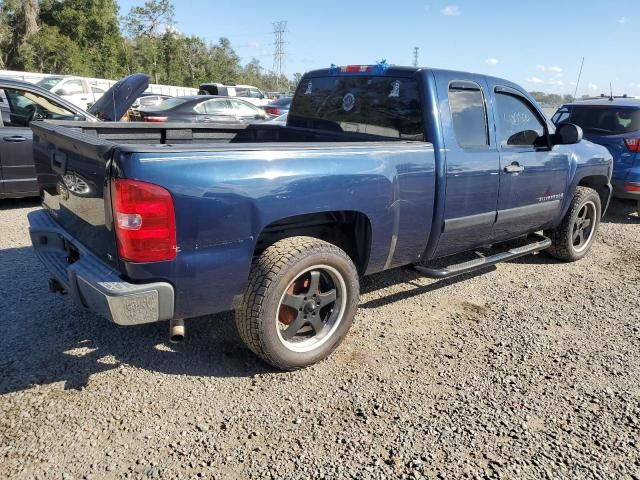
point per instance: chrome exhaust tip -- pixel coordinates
(176, 330)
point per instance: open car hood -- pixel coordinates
(116, 101)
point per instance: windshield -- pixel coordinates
(383, 106)
(600, 119)
(49, 82)
(170, 103)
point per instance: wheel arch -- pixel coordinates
(347, 229)
(599, 183)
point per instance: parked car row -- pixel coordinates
(57, 98)
(611, 122)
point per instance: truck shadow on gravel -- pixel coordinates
(17, 203)
(391, 278)
(45, 338)
(622, 211)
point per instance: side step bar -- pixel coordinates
(540, 243)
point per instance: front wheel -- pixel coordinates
(575, 235)
(300, 303)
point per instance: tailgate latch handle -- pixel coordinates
(59, 162)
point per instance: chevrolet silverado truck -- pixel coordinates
(378, 167)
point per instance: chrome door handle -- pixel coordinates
(514, 168)
(14, 139)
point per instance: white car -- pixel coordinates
(248, 93)
(76, 90)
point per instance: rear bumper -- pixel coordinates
(620, 192)
(94, 284)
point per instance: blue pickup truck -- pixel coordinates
(377, 167)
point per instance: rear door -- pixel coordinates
(533, 176)
(216, 110)
(16, 155)
(16, 158)
(472, 163)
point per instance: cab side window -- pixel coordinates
(518, 123)
(469, 114)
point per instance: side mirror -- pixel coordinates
(567, 134)
(61, 91)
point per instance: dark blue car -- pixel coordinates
(614, 123)
(278, 107)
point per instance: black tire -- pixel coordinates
(290, 264)
(566, 246)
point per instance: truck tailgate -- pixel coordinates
(73, 170)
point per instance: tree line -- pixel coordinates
(89, 38)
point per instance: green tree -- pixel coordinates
(93, 26)
(50, 51)
(147, 27)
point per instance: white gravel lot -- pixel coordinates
(529, 370)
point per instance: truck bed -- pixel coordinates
(176, 134)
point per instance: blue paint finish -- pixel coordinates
(226, 194)
(626, 164)
(224, 199)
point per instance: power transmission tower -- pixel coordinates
(279, 29)
(415, 56)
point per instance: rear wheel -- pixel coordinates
(300, 303)
(574, 237)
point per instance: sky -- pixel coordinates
(537, 44)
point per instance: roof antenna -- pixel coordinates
(611, 90)
(575, 94)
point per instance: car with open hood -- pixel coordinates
(22, 103)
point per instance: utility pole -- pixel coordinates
(279, 29)
(415, 56)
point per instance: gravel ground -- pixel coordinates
(530, 370)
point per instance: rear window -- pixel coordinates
(170, 103)
(600, 119)
(281, 102)
(383, 106)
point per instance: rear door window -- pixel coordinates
(376, 105)
(218, 106)
(243, 109)
(469, 114)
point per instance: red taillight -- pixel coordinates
(632, 188)
(633, 144)
(273, 110)
(145, 221)
(154, 119)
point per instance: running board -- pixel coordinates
(540, 243)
